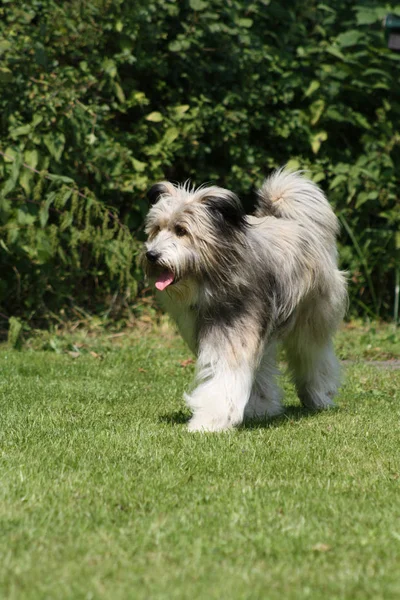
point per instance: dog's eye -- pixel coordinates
(180, 231)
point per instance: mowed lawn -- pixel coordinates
(104, 494)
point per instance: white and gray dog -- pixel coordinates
(238, 285)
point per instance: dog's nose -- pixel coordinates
(152, 256)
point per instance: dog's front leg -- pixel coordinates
(225, 371)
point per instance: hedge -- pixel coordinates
(100, 99)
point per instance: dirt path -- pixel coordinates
(382, 364)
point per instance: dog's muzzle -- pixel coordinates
(152, 256)
(162, 275)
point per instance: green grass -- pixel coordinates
(103, 493)
(375, 341)
(355, 340)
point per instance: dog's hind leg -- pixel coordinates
(315, 369)
(266, 395)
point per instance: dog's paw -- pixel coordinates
(316, 400)
(204, 424)
(260, 408)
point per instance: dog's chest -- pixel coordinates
(185, 317)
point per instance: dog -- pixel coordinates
(238, 285)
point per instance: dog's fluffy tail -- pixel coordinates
(290, 195)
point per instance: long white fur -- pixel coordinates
(292, 237)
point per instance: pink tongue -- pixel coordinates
(164, 280)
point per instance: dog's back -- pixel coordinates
(290, 195)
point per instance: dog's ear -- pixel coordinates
(227, 209)
(157, 190)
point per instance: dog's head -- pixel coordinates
(192, 233)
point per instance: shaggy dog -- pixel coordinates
(238, 285)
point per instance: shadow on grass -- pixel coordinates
(291, 415)
(178, 417)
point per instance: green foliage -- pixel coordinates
(100, 99)
(14, 333)
(58, 243)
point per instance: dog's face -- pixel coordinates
(191, 233)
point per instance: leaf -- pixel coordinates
(317, 177)
(62, 255)
(368, 16)
(59, 178)
(26, 180)
(314, 85)
(197, 4)
(155, 117)
(14, 333)
(2, 244)
(322, 548)
(62, 198)
(91, 138)
(380, 85)
(21, 130)
(119, 92)
(361, 120)
(326, 8)
(37, 119)
(349, 38)
(55, 143)
(138, 165)
(337, 181)
(316, 109)
(170, 135)
(187, 362)
(335, 115)
(24, 217)
(180, 110)
(293, 164)
(138, 98)
(12, 180)
(43, 246)
(175, 46)
(247, 23)
(336, 52)
(4, 45)
(110, 68)
(10, 155)
(5, 75)
(365, 196)
(378, 72)
(43, 215)
(31, 158)
(317, 139)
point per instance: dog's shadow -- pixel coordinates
(178, 417)
(291, 414)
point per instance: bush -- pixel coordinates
(100, 99)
